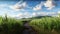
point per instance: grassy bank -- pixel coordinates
(10, 26)
(47, 25)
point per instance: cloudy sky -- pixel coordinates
(29, 8)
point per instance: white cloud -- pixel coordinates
(34, 14)
(39, 14)
(24, 15)
(52, 13)
(18, 6)
(28, 15)
(58, 12)
(43, 13)
(49, 4)
(3, 5)
(9, 15)
(20, 15)
(38, 7)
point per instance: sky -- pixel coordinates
(29, 8)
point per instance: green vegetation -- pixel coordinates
(10, 26)
(44, 25)
(47, 25)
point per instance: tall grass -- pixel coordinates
(45, 25)
(10, 26)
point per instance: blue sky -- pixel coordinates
(31, 8)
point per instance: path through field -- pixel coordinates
(28, 29)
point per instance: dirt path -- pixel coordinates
(28, 29)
